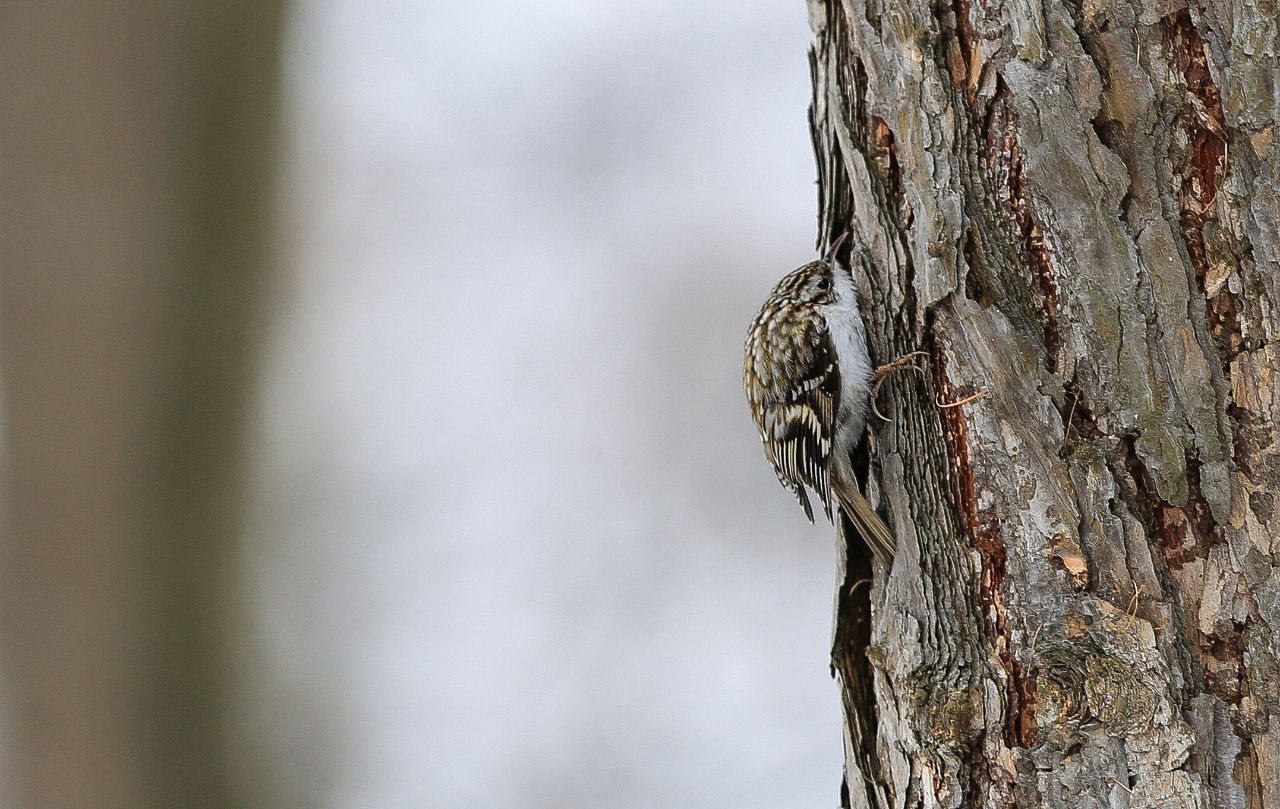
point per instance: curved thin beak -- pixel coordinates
(835, 246)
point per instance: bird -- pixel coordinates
(809, 381)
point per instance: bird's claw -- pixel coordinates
(904, 363)
(907, 363)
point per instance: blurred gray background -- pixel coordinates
(515, 523)
(511, 540)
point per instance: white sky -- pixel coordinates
(518, 546)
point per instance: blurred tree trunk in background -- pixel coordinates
(1074, 204)
(136, 140)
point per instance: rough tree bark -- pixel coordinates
(1073, 204)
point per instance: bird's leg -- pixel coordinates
(903, 363)
(907, 362)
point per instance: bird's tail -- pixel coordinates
(863, 517)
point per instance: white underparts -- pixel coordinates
(849, 338)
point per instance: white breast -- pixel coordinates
(844, 324)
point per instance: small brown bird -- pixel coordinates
(808, 379)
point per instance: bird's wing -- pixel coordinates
(800, 436)
(799, 426)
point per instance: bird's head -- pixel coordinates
(807, 284)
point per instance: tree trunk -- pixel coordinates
(1074, 206)
(136, 150)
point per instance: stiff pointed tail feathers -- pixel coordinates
(863, 518)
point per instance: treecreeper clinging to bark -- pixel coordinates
(810, 384)
(808, 379)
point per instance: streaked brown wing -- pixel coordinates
(798, 429)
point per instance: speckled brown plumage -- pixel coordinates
(807, 379)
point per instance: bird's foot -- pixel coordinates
(907, 362)
(962, 402)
